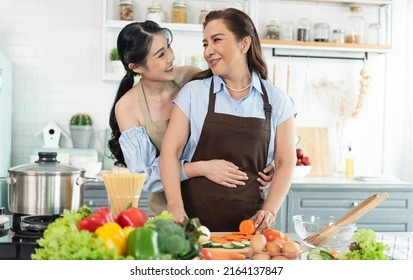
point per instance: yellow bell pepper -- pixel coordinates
(114, 236)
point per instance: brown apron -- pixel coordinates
(242, 141)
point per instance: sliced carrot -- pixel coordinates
(225, 255)
(219, 240)
(247, 226)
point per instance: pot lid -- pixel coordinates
(47, 164)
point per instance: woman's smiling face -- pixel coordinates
(222, 50)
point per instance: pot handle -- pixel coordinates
(83, 180)
(8, 180)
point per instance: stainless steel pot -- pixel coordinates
(45, 187)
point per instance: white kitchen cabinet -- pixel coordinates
(334, 12)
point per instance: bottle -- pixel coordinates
(126, 9)
(154, 12)
(179, 11)
(349, 163)
(355, 27)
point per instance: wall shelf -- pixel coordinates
(322, 46)
(111, 26)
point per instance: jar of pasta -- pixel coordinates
(126, 9)
(179, 14)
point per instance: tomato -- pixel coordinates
(206, 254)
(272, 234)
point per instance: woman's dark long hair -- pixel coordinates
(241, 25)
(134, 42)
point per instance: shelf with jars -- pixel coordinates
(284, 18)
(182, 17)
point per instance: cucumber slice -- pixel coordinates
(246, 242)
(238, 245)
(228, 245)
(216, 245)
(207, 244)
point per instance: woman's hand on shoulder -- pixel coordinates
(224, 173)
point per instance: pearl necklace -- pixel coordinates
(237, 90)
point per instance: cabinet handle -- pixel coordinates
(355, 203)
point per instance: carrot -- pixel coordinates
(225, 255)
(219, 240)
(247, 226)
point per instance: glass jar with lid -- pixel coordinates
(286, 30)
(204, 13)
(126, 11)
(374, 33)
(303, 30)
(338, 36)
(179, 14)
(273, 31)
(321, 32)
(355, 26)
(154, 12)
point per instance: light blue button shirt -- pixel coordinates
(140, 157)
(193, 100)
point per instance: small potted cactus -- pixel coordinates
(117, 66)
(81, 130)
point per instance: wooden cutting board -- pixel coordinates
(314, 143)
(244, 251)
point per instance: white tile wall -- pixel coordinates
(55, 46)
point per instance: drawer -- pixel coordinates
(394, 214)
(398, 202)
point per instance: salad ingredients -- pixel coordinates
(132, 216)
(272, 234)
(204, 235)
(221, 255)
(247, 227)
(143, 244)
(171, 239)
(366, 247)
(63, 241)
(99, 217)
(114, 236)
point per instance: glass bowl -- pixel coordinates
(306, 225)
(280, 251)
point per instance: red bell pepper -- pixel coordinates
(132, 216)
(98, 218)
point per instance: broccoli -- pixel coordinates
(171, 239)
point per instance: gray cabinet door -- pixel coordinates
(394, 214)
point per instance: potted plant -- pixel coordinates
(117, 66)
(81, 130)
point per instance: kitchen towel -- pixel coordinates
(401, 246)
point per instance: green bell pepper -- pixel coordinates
(143, 244)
